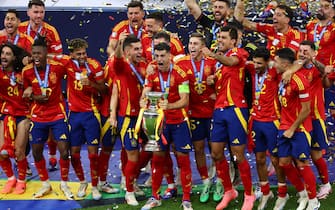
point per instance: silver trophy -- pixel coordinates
(149, 122)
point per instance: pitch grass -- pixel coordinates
(328, 204)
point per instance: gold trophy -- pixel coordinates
(151, 119)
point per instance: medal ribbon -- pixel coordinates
(138, 76)
(165, 84)
(38, 31)
(86, 66)
(44, 83)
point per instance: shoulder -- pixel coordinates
(27, 68)
(94, 63)
(120, 25)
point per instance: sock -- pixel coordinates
(130, 173)
(22, 166)
(52, 145)
(265, 188)
(124, 158)
(42, 170)
(76, 164)
(143, 160)
(157, 170)
(94, 166)
(6, 165)
(282, 190)
(292, 175)
(203, 171)
(322, 167)
(245, 174)
(168, 168)
(64, 169)
(185, 175)
(222, 170)
(103, 165)
(310, 182)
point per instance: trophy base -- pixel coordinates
(152, 146)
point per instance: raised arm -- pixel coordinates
(194, 8)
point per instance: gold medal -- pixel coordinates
(256, 102)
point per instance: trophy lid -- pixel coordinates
(154, 94)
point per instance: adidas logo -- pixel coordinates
(63, 136)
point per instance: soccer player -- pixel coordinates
(11, 33)
(129, 77)
(173, 82)
(153, 25)
(36, 25)
(85, 80)
(47, 112)
(210, 26)
(108, 132)
(316, 78)
(279, 34)
(264, 122)
(321, 32)
(295, 123)
(134, 25)
(230, 117)
(15, 110)
(201, 106)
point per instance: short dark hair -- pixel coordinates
(232, 31)
(200, 36)
(77, 43)
(36, 3)
(162, 34)
(133, 4)
(40, 41)
(162, 46)
(236, 24)
(262, 52)
(226, 1)
(288, 11)
(129, 40)
(14, 11)
(287, 54)
(309, 43)
(157, 16)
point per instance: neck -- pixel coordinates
(8, 68)
(325, 21)
(12, 34)
(34, 26)
(284, 29)
(198, 57)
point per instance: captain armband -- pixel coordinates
(184, 88)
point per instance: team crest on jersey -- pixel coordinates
(53, 77)
(326, 36)
(310, 77)
(207, 70)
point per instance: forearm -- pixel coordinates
(305, 111)
(114, 100)
(320, 66)
(239, 11)
(181, 103)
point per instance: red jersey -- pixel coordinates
(201, 105)
(169, 82)
(291, 96)
(230, 81)
(276, 40)
(54, 108)
(82, 98)
(177, 47)
(109, 76)
(11, 91)
(20, 39)
(124, 26)
(265, 106)
(130, 84)
(54, 43)
(313, 76)
(324, 39)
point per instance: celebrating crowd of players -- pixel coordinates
(204, 101)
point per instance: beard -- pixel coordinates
(321, 16)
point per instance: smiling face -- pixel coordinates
(325, 11)
(163, 60)
(260, 64)
(36, 14)
(305, 53)
(11, 23)
(39, 56)
(220, 10)
(7, 57)
(135, 16)
(194, 47)
(80, 55)
(280, 20)
(152, 26)
(225, 42)
(134, 52)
